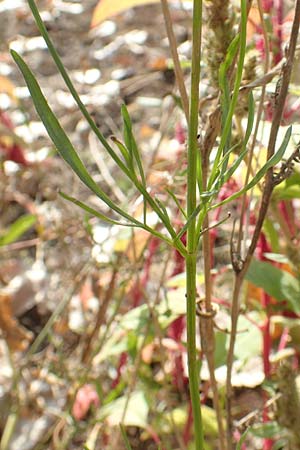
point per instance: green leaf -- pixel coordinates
(123, 151)
(266, 430)
(275, 282)
(244, 150)
(60, 139)
(276, 257)
(17, 229)
(286, 192)
(275, 159)
(95, 213)
(242, 440)
(134, 154)
(272, 234)
(136, 411)
(249, 338)
(176, 201)
(125, 438)
(69, 84)
(241, 39)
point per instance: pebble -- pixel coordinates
(67, 7)
(106, 29)
(122, 74)
(90, 76)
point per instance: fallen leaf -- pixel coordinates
(7, 87)
(108, 8)
(16, 336)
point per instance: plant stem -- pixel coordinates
(175, 57)
(206, 319)
(240, 272)
(191, 257)
(192, 350)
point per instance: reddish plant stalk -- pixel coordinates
(263, 247)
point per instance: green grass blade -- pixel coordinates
(276, 158)
(225, 177)
(186, 225)
(133, 150)
(60, 139)
(130, 142)
(72, 89)
(123, 151)
(237, 83)
(164, 211)
(125, 438)
(242, 440)
(101, 216)
(225, 96)
(17, 229)
(176, 201)
(96, 213)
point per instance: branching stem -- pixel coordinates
(266, 196)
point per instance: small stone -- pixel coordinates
(122, 74)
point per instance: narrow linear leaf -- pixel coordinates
(125, 438)
(123, 151)
(69, 84)
(225, 177)
(94, 212)
(177, 202)
(131, 142)
(186, 225)
(133, 151)
(235, 94)
(164, 211)
(242, 440)
(276, 158)
(17, 229)
(60, 139)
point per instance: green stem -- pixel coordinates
(191, 258)
(193, 363)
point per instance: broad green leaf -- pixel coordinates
(220, 348)
(266, 430)
(275, 282)
(249, 338)
(272, 234)
(277, 257)
(61, 140)
(17, 229)
(178, 417)
(286, 192)
(136, 411)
